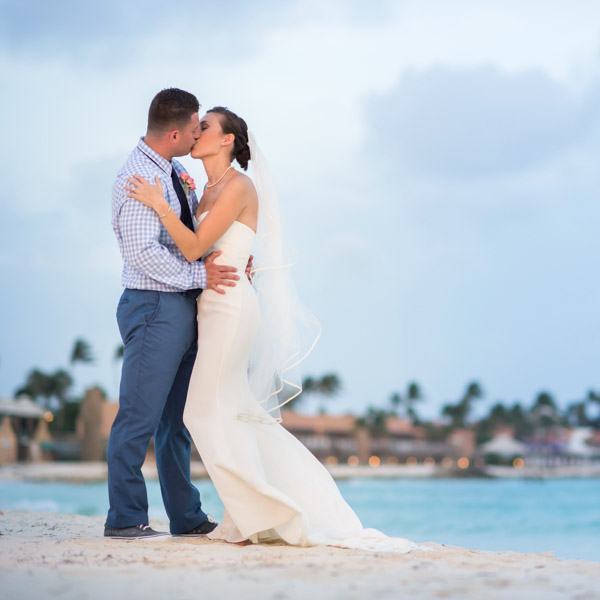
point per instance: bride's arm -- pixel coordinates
(231, 202)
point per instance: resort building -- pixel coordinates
(24, 435)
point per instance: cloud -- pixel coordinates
(450, 122)
(109, 32)
(486, 210)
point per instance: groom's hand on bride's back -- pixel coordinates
(218, 275)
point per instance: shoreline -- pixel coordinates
(64, 556)
(88, 472)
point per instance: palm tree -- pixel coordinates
(395, 401)
(327, 386)
(82, 352)
(544, 412)
(60, 382)
(576, 414)
(456, 412)
(36, 386)
(498, 416)
(330, 384)
(413, 395)
(48, 389)
(520, 419)
(118, 356)
(375, 420)
(459, 412)
(474, 391)
(544, 399)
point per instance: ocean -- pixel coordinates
(560, 515)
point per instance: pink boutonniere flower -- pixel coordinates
(187, 182)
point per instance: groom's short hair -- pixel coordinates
(171, 108)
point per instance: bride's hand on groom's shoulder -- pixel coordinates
(146, 193)
(217, 275)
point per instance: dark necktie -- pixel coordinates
(186, 215)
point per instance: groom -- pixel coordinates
(157, 321)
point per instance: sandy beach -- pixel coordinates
(46, 555)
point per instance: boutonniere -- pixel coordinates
(187, 183)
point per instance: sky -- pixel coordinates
(436, 164)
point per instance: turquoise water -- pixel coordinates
(526, 516)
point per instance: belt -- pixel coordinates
(192, 294)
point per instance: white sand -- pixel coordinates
(44, 555)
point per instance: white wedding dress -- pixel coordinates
(271, 486)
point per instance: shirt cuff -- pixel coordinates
(201, 275)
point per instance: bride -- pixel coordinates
(271, 486)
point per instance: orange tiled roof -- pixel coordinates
(397, 426)
(318, 423)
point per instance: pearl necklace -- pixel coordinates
(217, 181)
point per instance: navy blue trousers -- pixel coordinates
(159, 334)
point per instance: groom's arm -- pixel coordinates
(139, 228)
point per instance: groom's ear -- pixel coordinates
(173, 136)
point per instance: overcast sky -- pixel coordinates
(437, 164)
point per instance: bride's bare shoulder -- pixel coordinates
(241, 183)
(243, 179)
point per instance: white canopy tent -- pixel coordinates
(576, 444)
(22, 406)
(504, 445)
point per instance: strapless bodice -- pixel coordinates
(235, 244)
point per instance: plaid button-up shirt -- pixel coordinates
(151, 260)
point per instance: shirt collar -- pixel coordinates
(155, 157)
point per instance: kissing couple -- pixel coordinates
(209, 355)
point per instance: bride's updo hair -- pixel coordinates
(231, 123)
